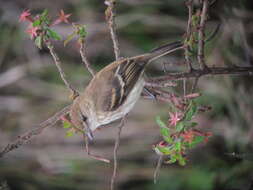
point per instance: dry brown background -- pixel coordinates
(31, 91)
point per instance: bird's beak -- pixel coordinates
(88, 132)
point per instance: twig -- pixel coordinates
(184, 87)
(110, 17)
(189, 4)
(28, 135)
(194, 86)
(161, 85)
(158, 167)
(199, 73)
(58, 65)
(201, 35)
(85, 61)
(115, 150)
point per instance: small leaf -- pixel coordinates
(69, 133)
(196, 141)
(164, 150)
(160, 122)
(44, 17)
(177, 146)
(181, 160)
(163, 128)
(165, 131)
(168, 139)
(179, 126)
(54, 35)
(38, 41)
(36, 23)
(81, 31)
(191, 111)
(69, 38)
(66, 124)
(44, 13)
(172, 160)
(193, 124)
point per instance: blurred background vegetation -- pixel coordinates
(31, 91)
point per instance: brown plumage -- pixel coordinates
(114, 90)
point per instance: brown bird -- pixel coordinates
(114, 90)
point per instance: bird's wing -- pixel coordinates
(116, 86)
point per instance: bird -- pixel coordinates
(114, 90)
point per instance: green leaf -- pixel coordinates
(191, 111)
(196, 141)
(66, 124)
(69, 133)
(82, 31)
(54, 35)
(38, 41)
(172, 160)
(193, 124)
(69, 38)
(36, 22)
(44, 17)
(165, 131)
(44, 13)
(168, 139)
(164, 150)
(177, 146)
(160, 122)
(181, 160)
(180, 126)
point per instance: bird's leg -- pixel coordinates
(86, 140)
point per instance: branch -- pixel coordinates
(158, 167)
(157, 85)
(115, 150)
(110, 17)
(201, 35)
(58, 65)
(40, 127)
(85, 61)
(199, 73)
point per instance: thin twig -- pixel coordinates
(201, 35)
(110, 17)
(59, 67)
(199, 73)
(160, 85)
(194, 86)
(85, 61)
(158, 167)
(23, 139)
(115, 150)
(184, 87)
(189, 4)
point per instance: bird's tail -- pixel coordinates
(163, 50)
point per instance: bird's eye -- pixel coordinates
(84, 118)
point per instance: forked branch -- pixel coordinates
(21, 140)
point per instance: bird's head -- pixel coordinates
(80, 117)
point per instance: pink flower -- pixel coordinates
(32, 31)
(62, 18)
(174, 118)
(25, 16)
